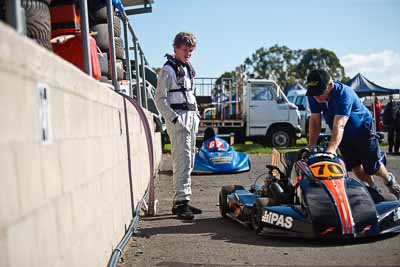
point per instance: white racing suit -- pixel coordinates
(172, 104)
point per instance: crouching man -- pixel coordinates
(351, 125)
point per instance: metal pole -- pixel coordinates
(127, 58)
(373, 112)
(128, 147)
(111, 44)
(138, 91)
(14, 15)
(143, 80)
(87, 63)
(237, 98)
(230, 84)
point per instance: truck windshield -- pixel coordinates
(262, 92)
(301, 102)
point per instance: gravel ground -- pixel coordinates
(210, 240)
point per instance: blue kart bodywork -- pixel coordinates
(217, 156)
(294, 221)
(311, 197)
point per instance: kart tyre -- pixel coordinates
(389, 197)
(380, 197)
(223, 194)
(38, 26)
(119, 48)
(258, 208)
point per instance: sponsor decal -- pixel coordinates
(277, 219)
(317, 155)
(396, 215)
(215, 144)
(313, 83)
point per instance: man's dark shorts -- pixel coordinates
(362, 151)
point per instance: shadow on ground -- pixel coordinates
(232, 232)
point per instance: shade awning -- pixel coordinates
(364, 87)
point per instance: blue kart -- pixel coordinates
(309, 194)
(217, 156)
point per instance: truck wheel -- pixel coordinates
(258, 209)
(281, 138)
(223, 194)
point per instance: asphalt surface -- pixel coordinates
(210, 240)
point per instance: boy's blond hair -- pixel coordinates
(185, 38)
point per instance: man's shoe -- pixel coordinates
(193, 209)
(183, 211)
(393, 186)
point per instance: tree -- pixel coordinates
(157, 70)
(276, 63)
(317, 59)
(285, 66)
(217, 90)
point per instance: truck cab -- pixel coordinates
(270, 117)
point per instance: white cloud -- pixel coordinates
(382, 68)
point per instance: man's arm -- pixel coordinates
(339, 122)
(314, 128)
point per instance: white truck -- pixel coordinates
(258, 110)
(299, 98)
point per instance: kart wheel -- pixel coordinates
(258, 208)
(389, 197)
(223, 195)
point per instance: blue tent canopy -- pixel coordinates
(364, 87)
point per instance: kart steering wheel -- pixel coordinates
(303, 153)
(272, 168)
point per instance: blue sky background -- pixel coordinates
(364, 34)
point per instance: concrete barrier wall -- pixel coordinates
(66, 201)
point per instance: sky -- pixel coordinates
(364, 34)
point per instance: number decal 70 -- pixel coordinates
(326, 169)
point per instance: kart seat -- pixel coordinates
(208, 133)
(288, 159)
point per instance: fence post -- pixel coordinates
(87, 62)
(111, 44)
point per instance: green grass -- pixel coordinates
(167, 148)
(254, 148)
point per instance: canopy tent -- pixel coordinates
(364, 87)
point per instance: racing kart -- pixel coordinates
(309, 194)
(217, 156)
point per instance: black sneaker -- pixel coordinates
(393, 185)
(193, 209)
(183, 211)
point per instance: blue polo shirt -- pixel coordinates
(344, 101)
